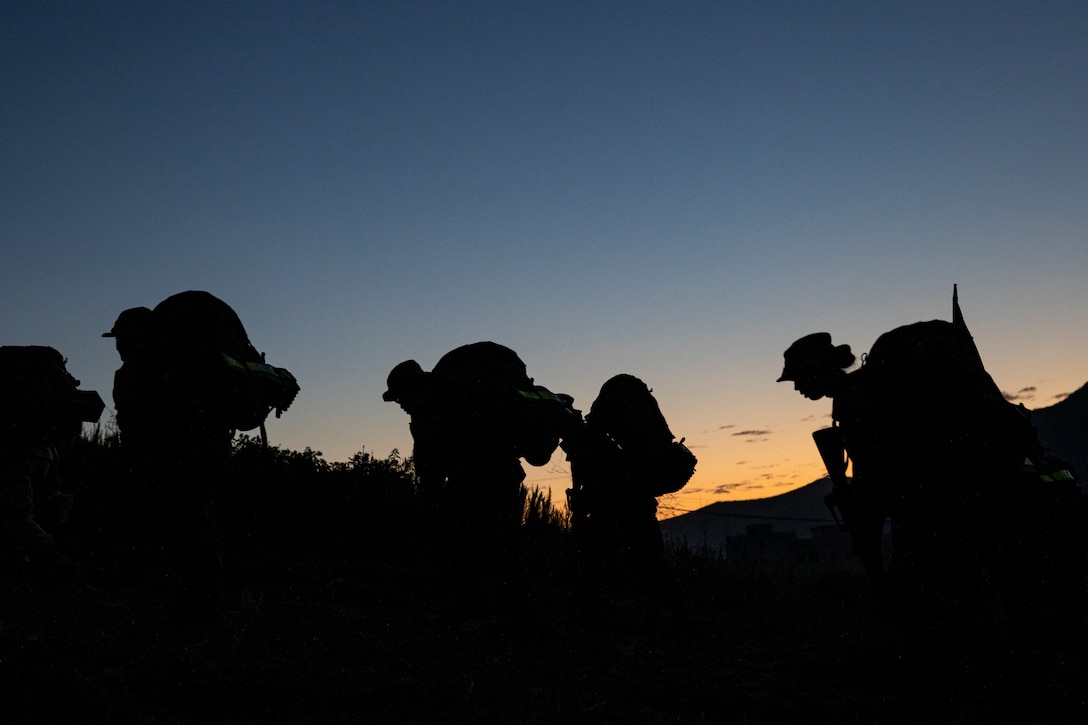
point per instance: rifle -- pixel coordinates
(856, 509)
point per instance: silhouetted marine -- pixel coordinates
(190, 377)
(937, 449)
(621, 460)
(473, 417)
(42, 410)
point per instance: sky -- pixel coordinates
(675, 190)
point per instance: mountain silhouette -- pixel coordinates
(1063, 429)
(799, 511)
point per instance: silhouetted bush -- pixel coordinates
(278, 506)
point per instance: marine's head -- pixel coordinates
(130, 330)
(405, 383)
(132, 321)
(813, 363)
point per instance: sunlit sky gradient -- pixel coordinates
(676, 190)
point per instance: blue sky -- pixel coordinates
(675, 190)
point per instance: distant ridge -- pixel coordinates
(1063, 429)
(799, 511)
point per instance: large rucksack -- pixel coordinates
(39, 399)
(938, 397)
(486, 392)
(627, 412)
(212, 369)
(924, 354)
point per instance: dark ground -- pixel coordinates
(338, 642)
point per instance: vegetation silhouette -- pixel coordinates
(285, 508)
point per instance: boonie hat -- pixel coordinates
(807, 351)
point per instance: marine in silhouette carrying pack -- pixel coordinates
(623, 458)
(983, 521)
(190, 378)
(474, 416)
(41, 410)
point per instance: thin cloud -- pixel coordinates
(752, 433)
(1027, 393)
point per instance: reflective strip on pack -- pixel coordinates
(539, 394)
(251, 368)
(232, 363)
(1056, 476)
(262, 368)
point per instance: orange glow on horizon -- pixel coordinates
(710, 484)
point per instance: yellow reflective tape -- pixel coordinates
(256, 368)
(259, 367)
(539, 393)
(231, 362)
